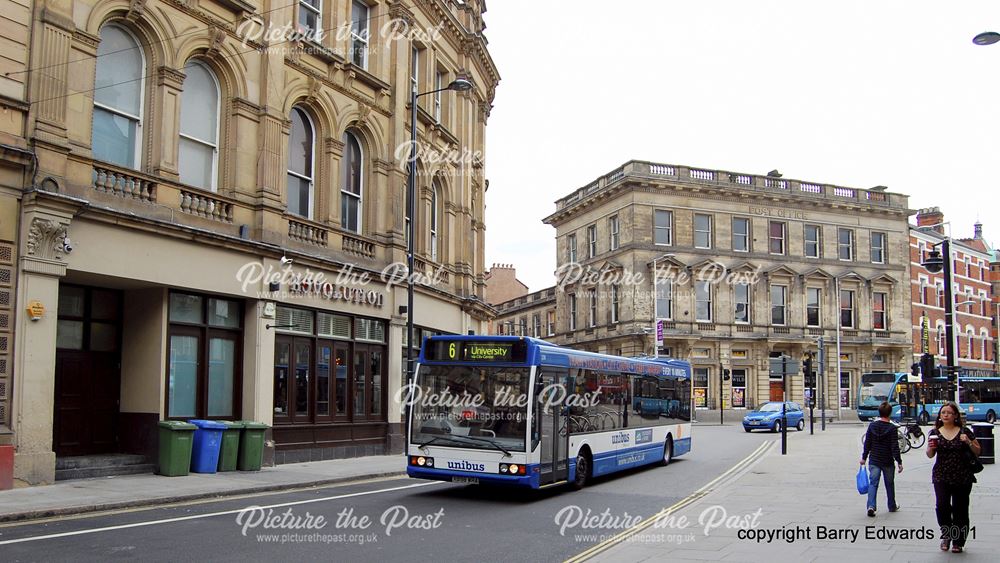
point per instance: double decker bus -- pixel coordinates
(523, 412)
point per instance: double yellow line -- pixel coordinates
(691, 499)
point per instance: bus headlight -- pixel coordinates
(512, 468)
(503, 468)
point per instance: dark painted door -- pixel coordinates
(86, 405)
(88, 374)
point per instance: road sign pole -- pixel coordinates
(784, 399)
(822, 385)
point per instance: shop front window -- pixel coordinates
(204, 369)
(701, 388)
(328, 368)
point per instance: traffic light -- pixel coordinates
(807, 371)
(927, 365)
(725, 375)
(915, 369)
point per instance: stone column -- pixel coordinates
(42, 264)
(396, 378)
(166, 120)
(258, 368)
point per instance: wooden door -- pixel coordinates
(86, 403)
(777, 391)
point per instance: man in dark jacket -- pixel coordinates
(882, 442)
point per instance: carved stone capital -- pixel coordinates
(399, 11)
(166, 76)
(335, 146)
(46, 239)
(88, 40)
(484, 111)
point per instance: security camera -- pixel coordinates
(285, 260)
(67, 245)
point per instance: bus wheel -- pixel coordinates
(991, 416)
(668, 451)
(924, 419)
(582, 471)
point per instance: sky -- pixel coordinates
(850, 93)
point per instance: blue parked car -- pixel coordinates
(768, 416)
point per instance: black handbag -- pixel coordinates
(974, 462)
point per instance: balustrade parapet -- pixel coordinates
(307, 232)
(122, 182)
(877, 196)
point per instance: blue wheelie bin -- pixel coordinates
(206, 445)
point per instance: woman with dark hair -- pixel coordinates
(952, 475)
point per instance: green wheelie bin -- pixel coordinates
(229, 454)
(176, 438)
(251, 446)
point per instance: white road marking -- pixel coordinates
(210, 515)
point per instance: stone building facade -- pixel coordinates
(213, 208)
(17, 165)
(975, 346)
(735, 268)
(531, 315)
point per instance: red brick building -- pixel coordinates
(974, 325)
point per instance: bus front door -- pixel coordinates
(554, 445)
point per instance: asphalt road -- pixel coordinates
(388, 520)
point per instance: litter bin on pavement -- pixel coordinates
(206, 445)
(229, 453)
(984, 435)
(251, 446)
(176, 438)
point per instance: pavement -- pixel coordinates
(128, 491)
(804, 507)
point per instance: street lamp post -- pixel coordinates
(935, 263)
(459, 85)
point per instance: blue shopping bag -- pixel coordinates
(863, 480)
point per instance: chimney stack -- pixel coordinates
(931, 216)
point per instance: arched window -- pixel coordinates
(942, 341)
(301, 151)
(983, 337)
(351, 184)
(118, 89)
(198, 146)
(435, 218)
(969, 350)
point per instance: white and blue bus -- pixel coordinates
(979, 398)
(523, 412)
(878, 387)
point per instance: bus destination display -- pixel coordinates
(476, 351)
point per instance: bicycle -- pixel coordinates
(914, 435)
(901, 435)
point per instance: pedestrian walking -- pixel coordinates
(951, 442)
(882, 443)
